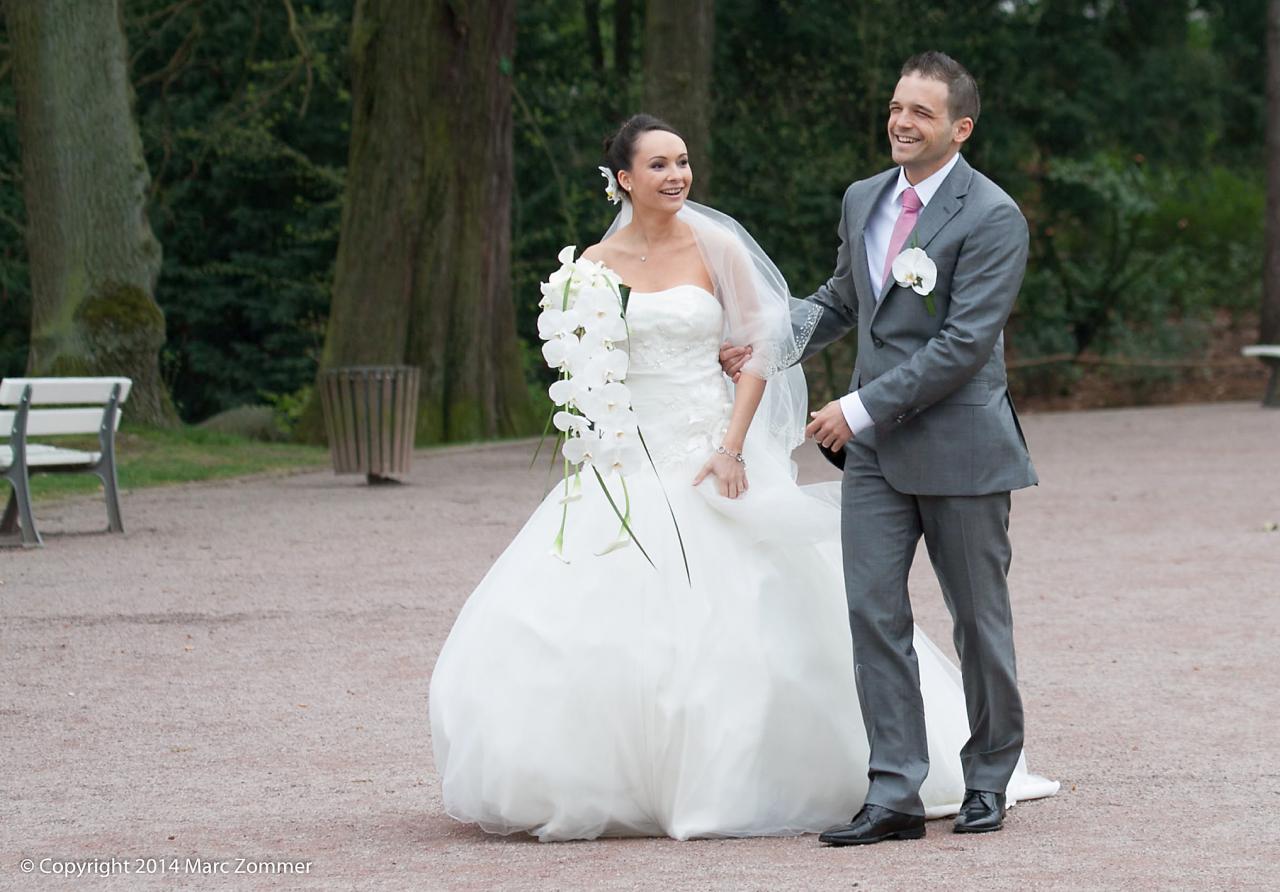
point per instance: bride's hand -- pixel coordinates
(730, 474)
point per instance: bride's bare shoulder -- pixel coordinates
(607, 252)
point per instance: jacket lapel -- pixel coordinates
(946, 203)
(858, 241)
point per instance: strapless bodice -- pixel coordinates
(680, 395)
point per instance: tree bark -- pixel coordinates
(93, 258)
(1270, 333)
(595, 46)
(423, 272)
(622, 39)
(1269, 330)
(679, 45)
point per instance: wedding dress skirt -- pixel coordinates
(598, 696)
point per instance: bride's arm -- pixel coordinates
(730, 473)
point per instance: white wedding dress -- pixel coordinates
(602, 697)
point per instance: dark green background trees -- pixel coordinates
(1131, 131)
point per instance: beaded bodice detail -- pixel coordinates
(678, 390)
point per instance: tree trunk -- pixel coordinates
(92, 256)
(622, 39)
(679, 44)
(1269, 331)
(595, 45)
(423, 273)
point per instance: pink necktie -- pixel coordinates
(906, 222)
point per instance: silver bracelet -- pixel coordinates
(736, 456)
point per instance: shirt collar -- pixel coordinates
(927, 188)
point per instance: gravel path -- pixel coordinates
(244, 675)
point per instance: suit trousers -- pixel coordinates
(967, 538)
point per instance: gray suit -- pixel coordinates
(945, 451)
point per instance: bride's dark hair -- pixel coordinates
(620, 148)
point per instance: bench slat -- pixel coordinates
(53, 422)
(62, 391)
(39, 456)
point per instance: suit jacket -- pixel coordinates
(935, 385)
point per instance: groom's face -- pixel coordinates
(922, 136)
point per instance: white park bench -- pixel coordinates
(86, 406)
(1270, 354)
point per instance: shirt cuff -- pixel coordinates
(855, 414)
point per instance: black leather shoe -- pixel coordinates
(875, 823)
(981, 812)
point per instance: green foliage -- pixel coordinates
(287, 408)
(245, 126)
(244, 119)
(15, 287)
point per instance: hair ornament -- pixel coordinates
(611, 190)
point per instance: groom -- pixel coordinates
(929, 444)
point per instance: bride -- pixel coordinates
(599, 695)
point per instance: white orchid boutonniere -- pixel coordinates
(914, 269)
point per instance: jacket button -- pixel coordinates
(879, 343)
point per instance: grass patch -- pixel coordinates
(154, 457)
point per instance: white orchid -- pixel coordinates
(608, 366)
(588, 274)
(611, 190)
(611, 278)
(580, 356)
(610, 403)
(598, 302)
(914, 269)
(582, 449)
(554, 322)
(607, 331)
(571, 423)
(617, 457)
(600, 312)
(562, 391)
(566, 255)
(620, 428)
(558, 350)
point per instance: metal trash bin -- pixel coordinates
(369, 415)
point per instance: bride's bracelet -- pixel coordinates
(736, 456)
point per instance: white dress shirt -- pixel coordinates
(879, 229)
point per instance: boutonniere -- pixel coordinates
(914, 269)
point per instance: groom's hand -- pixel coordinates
(732, 359)
(829, 427)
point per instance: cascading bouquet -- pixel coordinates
(583, 323)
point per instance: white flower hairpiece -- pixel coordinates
(611, 190)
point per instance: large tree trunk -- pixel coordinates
(423, 273)
(1269, 332)
(679, 45)
(622, 39)
(93, 258)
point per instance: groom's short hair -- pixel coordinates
(962, 89)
